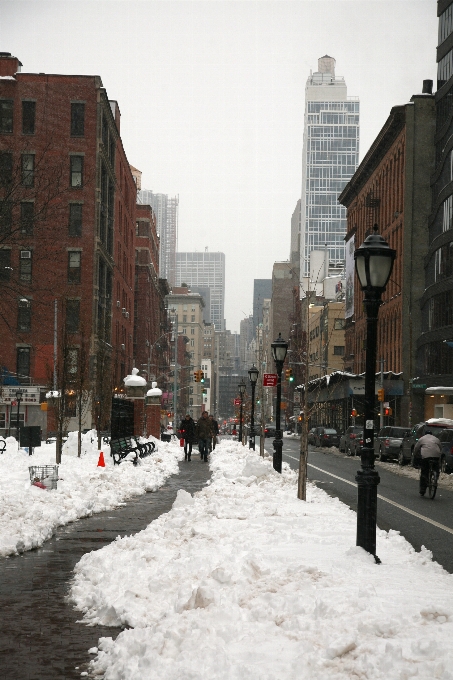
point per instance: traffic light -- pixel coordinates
(201, 376)
(353, 413)
(196, 376)
(289, 374)
(381, 394)
(388, 411)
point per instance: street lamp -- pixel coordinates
(279, 348)
(253, 376)
(241, 387)
(373, 262)
(18, 399)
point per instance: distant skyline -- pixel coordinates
(212, 99)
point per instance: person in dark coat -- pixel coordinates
(205, 432)
(188, 432)
(215, 427)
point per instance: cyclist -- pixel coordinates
(429, 447)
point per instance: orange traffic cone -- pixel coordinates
(101, 461)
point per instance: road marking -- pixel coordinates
(382, 498)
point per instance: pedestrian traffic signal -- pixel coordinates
(388, 411)
(381, 394)
(353, 413)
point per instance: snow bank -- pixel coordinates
(247, 582)
(29, 515)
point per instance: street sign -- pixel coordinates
(237, 402)
(386, 404)
(418, 386)
(270, 379)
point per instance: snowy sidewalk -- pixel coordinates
(29, 515)
(245, 581)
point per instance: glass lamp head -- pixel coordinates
(279, 349)
(374, 262)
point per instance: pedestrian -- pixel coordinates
(215, 427)
(187, 431)
(429, 447)
(204, 435)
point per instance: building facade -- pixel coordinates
(391, 189)
(262, 290)
(67, 245)
(330, 158)
(205, 270)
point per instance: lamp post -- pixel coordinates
(241, 387)
(373, 262)
(279, 348)
(253, 376)
(18, 399)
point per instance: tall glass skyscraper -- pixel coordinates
(330, 158)
(166, 210)
(205, 270)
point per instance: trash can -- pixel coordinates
(164, 437)
(46, 474)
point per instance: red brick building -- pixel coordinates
(67, 234)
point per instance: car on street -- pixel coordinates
(269, 430)
(326, 436)
(389, 443)
(349, 440)
(311, 435)
(433, 425)
(446, 439)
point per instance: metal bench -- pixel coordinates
(120, 448)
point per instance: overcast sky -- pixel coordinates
(212, 98)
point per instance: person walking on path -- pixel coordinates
(429, 447)
(187, 430)
(215, 426)
(205, 431)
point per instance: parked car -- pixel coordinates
(434, 425)
(326, 436)
(389, 443)
(269, 430)
(347, 443)
(312, 435)
(446, 439)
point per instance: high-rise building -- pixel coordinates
(166, 209)
(330, 158)
(262, 290)
(205, 269)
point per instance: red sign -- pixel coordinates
(14, 403)
(269, 379)
(237, 402)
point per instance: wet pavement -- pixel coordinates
(40, 638)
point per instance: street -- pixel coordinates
(420, 520)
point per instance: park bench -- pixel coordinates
(120, 448)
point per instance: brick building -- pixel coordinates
(391, 189)
(67, 213)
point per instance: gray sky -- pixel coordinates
(212, 98)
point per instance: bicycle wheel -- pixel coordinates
(432, 483)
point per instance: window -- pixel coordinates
(28, 170)
(338, 350)
(74, 259)
(13, 419)
(76, 163)
(6, 168)
(6, 116)
(23, 362)
(26, 217)
(70, 410)
(72, 363)
(6, 217)
(192, 343)
(192, 331)
(2, 421)
(77, 120)
(184, 318)
(72, 316)
(192, 318)
(28, 118)
(5, 265)
(24, 315)
(25, 262)
(339, 324)
(75, 219)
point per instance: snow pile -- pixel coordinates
(244, 581)
(29, 515)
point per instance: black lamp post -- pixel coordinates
(241, 387)
(253, 376)
(279, 349)
(18, 399)
(373, 263)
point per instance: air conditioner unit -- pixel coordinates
(147, 343)
(25, 254)
(118, 304)
(123, 311)
(127, 315)
(123, 347)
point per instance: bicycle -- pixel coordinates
(432, 477)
